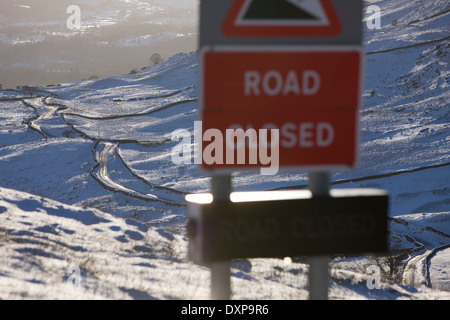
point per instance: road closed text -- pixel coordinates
(309, 134)
(244, 145)
(274, 83)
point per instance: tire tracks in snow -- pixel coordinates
(417, 270)
(428, 259)
(41, 103)
(100, 173)
(34, 122)
(417, 260)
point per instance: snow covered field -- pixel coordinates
(92, 207)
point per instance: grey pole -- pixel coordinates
(318, 266)
(221, 271)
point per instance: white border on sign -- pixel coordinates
(295, 48)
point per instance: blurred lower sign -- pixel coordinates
(271, 224)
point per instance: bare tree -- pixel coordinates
(156, 59)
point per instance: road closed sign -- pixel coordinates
(280, 85)
(311, 95)
(285, 75)
(277, 224)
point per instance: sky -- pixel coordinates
(51, 41)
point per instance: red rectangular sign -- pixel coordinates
(312, 96)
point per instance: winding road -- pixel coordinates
(102, 175)
(100, 172)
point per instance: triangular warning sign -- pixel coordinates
(281, 18)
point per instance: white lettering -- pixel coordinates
(289, 139)
(306, 135)
(198, 143)
(274, 158)
(240, 135)
(374, 21)
(213, 152)
(198, 310)
(237, 142)
(74, 276)
(274, 83)
(249, 146)
(325, 134)
(311, 82)
(252, 79)
(276, 79)
(374, 280)
(74, 20)
(181, 153)
(291, 84)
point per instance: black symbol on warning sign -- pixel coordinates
(280, 10)
(281, 18)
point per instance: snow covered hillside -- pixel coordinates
(92, 206)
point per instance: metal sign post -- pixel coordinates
(319, 184)
(221, 188)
